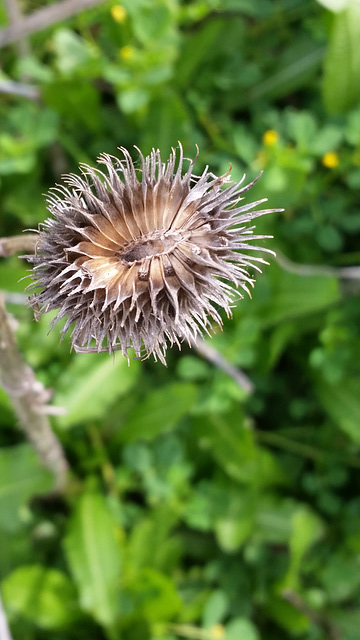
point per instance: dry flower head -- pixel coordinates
(146, 257)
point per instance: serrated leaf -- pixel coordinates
(94, 557)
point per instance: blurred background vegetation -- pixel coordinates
(195, 510)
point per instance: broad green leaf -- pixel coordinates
(155, 595)
(166, 121)
(159, 411)
(342, 402)
(340, 576)
(192, 369)
(301, 127)
(352, 131)
(94, 557)
(21, 477)
(334, 5)
(152, 543)
(12, 273)
(273, 519)
(192, 58)
(72, 52)
(282, 295)
(231, 532)
(231, 442)
(287, 616)
(44, 596)
(132, 99)
(241, 628)
(341, 85)
(307, 528)
(216, 608)
(92, 383)
(152, 22)
(347, 621)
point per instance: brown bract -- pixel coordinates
(146, 257)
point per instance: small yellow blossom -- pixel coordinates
(217, 632)
(270, 137)
(330, 160)
(118, 13)
(127, 52)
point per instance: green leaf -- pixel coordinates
(341, 576)
(347, 621)
(44, 596)
(94, 557)
(192, 369)
(155, 595)
(281, 295)
(152, 544)
(342, 402)
(132, 99)
(341, 85)
(231, 442)
(273, 519)
(241, 628)
(21, 477)
(231, 532)
(287, 616)
(72, 52)
(307, 528)
(166, 122)
(92, 383)
(216, 608)
(352, 131)
(152, 22)
(159, 411)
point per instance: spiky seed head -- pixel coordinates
(145, 257)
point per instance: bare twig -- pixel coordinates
(214, 356)
(344, 273)
(317, 619)
(15, 19)
(19, 89)
(17, 244)
(43, 18)
(4, 627)
(11, 297)
(29, 398)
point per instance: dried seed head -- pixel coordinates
(143, 258)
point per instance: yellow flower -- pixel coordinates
(330, 160)
(217, 632)
(127, 52)
(118, 13)
(270, 137)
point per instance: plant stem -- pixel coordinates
(29, 399)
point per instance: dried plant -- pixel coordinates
(146, 257)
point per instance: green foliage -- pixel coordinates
(94, 557)
(21, 476)
(195, 509)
